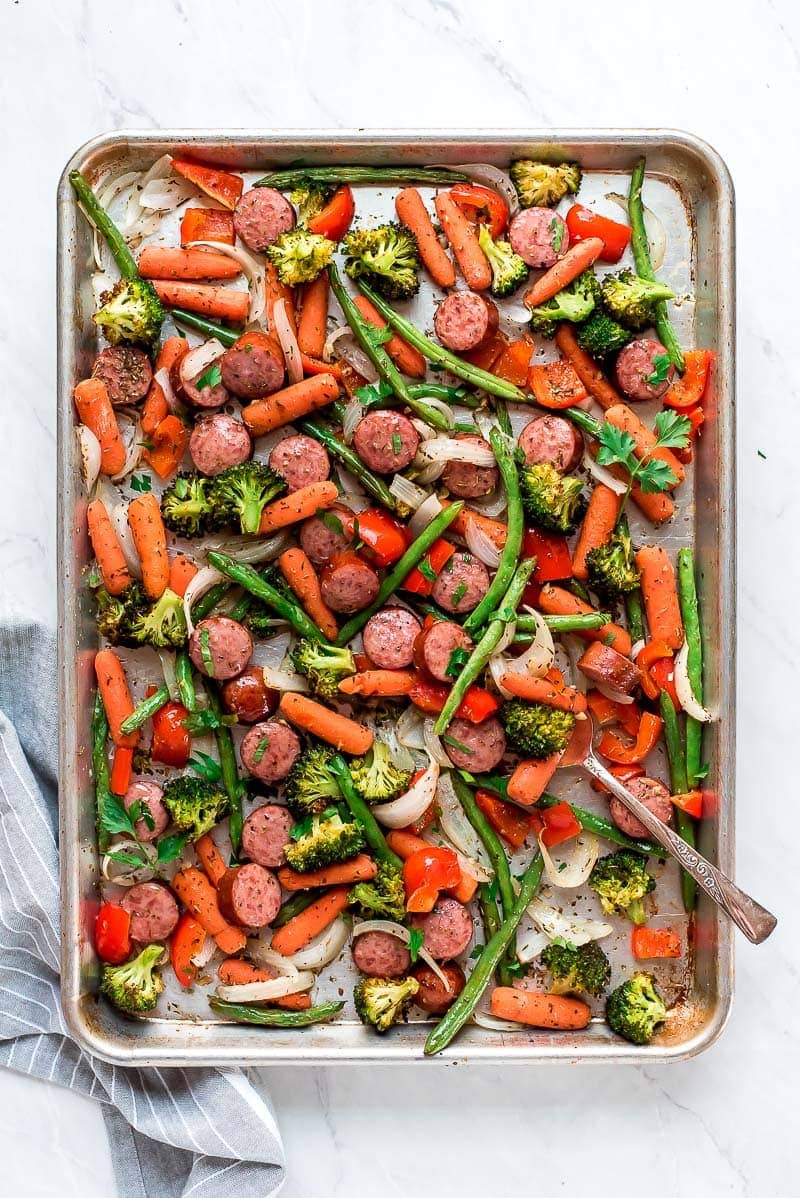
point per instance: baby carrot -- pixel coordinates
(471, 259)
(576, 260)
(345, 734)
(107, 549)
(181, 572)
(200, 898)
(210, 858)
(495, 530)
(388, 683)
(300, 505)
(598, 524)
(405, 356)
(539, 1010)
(301, 930)
(361, 869)
(121, 770)
(301, 576)
(264, 415)
(150, 539)
(115, 693)
(312, 325)
(173, 349)
(660, 594)
(168, 445)
(199, 262)
(586, 368)
(216, 303)
(235, 971)
(555, 601)
(541, 690)
(624, 418)
(529, 779)
(275, 290)
(411, 212)
(155, 408)
(96, 412)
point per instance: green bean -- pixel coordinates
(102, 780)
(678, 782)
(634, 614)
(402, 568)
(485, 647)
(577, 588)
(443, 357)
(274, 1016)
(578, 623)
(449, 394)
(242, 607)
(488, 906)
(588, 424)
(206, 603)
(298, 176)
(126, 263)
(231, 781)
(361, 813)
(185, 678)
(252, 581)
(295, 906)
(454, 1019)
(687, 593)
(515, 526)
(351, 461)
(144, 710)
(225, 336)
(641, 257)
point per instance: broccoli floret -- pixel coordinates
(386, 258)
(195, 804)
(621, 880)
(535, 728)
(135, 986)
(323, 840)
(324, 666)
(311, 785)
(600, 335)
(186, 508)
(552, 501)
(508, 270)
(541, 184)
(631, 300)
(163, 625)
(382, 898)
(583, 970)
(115, 613)
(239, 495)
(635, 1009)
(612, 569)
(299, 256)
(309, 199)
(382, 1002)
(132, 312)
(375, 776)
(573, 303)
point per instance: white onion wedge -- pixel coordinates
(481, 545)
(683, 686)
(203, 581)
(570, 868)
(119, 518)
(288, 339)
(266, 991)
(324, 948)
(426, 512)
(90, 455)
(603, 475)
(408, 807)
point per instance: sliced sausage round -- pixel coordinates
(218, 441)
(269, 750)
(539, 236)
(126, 372)
(210, 396)
(447, 930)
(643, 369)
(253, 366)
(322, 537)
(386, 441)
(260, 216)
(150, 796)
(432, 995)
(552, 439)
(381, 955)
(655, 797)
(475, 747)
(607, 666)
(153, 911)
(220, 647)
(389, 638)
(465, 321)
(461, 583)
(248, 697)
(348, 584)
(466, 481)
(249, 895)
(265, 834)
(301, 461)
(435, 646)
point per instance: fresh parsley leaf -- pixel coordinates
(113, 817)
(135, 859)
(672, 430)
(210, 378)
(415, 938)
(261, 748)
(169, 848)
(615, 446)
(562, 943)
(459, 593)
(377, 337)
(476, 952)
(373, 393)
(458, 659)
(141, 483)
(456, 744)
(397, 444)
(331, 522)
(556, 229)
(426, 570)
(206, 767)
(655, 475)
(660, 373)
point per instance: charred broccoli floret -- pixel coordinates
(600, 335)
(635, 1009)
(115, 613)
(186, 507)
(382, 1002)
(309, 199)
(573, 303)
(552, 501)
(508, 270)
(386, 258)
(135, 986)
(375, 776)
(239, 495)
(324, 666)
(583, 970)
(322, 840)
(621, 880)
(195, 805)
(612, 568)
(299, 256)
(631, 300)
(382, 898)
(311, 785)
(162, 625)
(542, 184)
(131, 312)
(535, 728)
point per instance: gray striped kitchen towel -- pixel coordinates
(172, 1131)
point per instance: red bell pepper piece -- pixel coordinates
(612, 746)
(384, 538)
(186, 942)
(650, 653)
(336, 217)
(625, 773)
(426, 873)
(121, 770)
(514, 362)
(207, 224)
(422, 578)
(696, 417)
(647, 944)
(551, 550)
(429, 815)
(688, 390)
(172, 744)
(583, 223)
(662, 673)
(489, 204)
(220, 185)
(476, 706)
(510, 822)
(112, 938)
(608, 711)
(555, 385)
(560, 824)
(691, 803)
(487, 354)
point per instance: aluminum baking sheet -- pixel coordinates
(688, 186)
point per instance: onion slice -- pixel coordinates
(324, 947)
(119, 518)
(396, 929)
(251, 269)
(90, 454)
(603, 475)
(408, 493)
(448, 449)
(493, 1024)
(167, 660)
(491, 176)
(288, 340)
(433, 745)
(133, 438)
(122, 874)
(263, 955)
(195, 362)
(353, 414)
(530, 943)
(426, 512)
(165, 195)
(266, 991)
(410, 729)
(285, 680)
(540, 654)
(555, 923)
(683, 686)
(614, 695)
(481, 545)
(456, 826)
(165, 383)
(575, 866)
(203, 581)
(408, 807)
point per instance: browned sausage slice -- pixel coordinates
(552, 439)
(260, 216)
(435, 646)
(389, 638)
(348, 584)
(461, 583)
(643, 369)
(465, 321)
(605, 665)
(149, 796)
(249, 896)
(466, 481)
(447, 929)
(381, 955)
(126, 372)
(153, 911)
(432, 995)
(220, 647)
(475, 747)
(301, 461)
(248, 697)
(265, 834)
(253, 366)
(655, 797)
(539, 236)
(322, 537)
(386, 441)
(269, 750)
(219, 441)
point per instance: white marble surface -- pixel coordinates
(727, 1123)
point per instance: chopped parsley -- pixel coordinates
(556, 229)
(261, 749)
(143, 483)
(206, 767)
(397, 444)
(415, 938)
(331, 522)
(205, 651)
(457, 744)
(426, 570)
(458, 659)
(459, 593)
(761, 454)
(661, 365)
(373, 393)
(211, 377)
